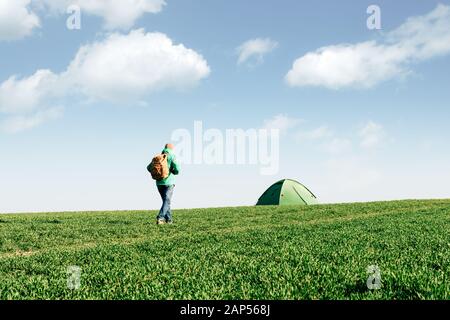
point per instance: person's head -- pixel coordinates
(169, 146)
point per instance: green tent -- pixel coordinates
(286, 192)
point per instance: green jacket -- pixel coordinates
(174, 169)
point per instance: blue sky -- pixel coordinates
(373, 126)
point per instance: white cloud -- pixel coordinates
(346, 171)
(351, 174)
(119, 69)
(21, 122)
(117, 14)
(369, 136)
(26, 94)
(16, 19)
(325, 140)
(424, 36)
(335, 67)
(315, 134)
(255, 48)
(368, 63)
(337, 145)
(129, 67)
(281, 122)
(26, 101)
(372, 135)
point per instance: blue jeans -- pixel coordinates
(166, 196)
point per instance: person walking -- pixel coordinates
(163, 168)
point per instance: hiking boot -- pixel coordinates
(169, 222)
(160, 222)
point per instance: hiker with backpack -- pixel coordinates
(163, 169)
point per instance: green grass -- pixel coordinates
(316, 252)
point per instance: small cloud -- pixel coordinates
(337, 146)
(325, 140)
(281, 122)
(255, 48)
(16, 19)
(368, 137)
(315, 134)
(372, 135)
(25, 101)
(352, 173)
(28, 93)
(18, 123)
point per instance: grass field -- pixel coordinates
(316, 252)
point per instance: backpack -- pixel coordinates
(159, 167)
